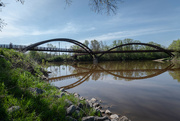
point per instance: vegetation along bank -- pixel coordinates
(24, 95)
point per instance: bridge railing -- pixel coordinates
(11, 46)
(20, 47)
(56, 49)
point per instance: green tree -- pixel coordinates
(86, 42)
(95, 45)
(75, 47)
(51, 45)
(175, 45)
(115, 43)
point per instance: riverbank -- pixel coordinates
(24, 95)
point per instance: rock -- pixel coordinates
(62, 94)
(2, 56)
(44, 77)
(62, 89)
(108, 112)
(80, 105)
(88, 118)
(93, 100)
(124, 118)
(13, 108)
(36, 90)
(101, 118)
(114, 119)
(82, 111)
(114, 116)
(69, 118)
(98, 112)
(68, 102)
(70, 110)
(95, 104)
(102, 111)
(82, 98)
(77, 108)
(99, 107)
(90, 104)
(57, 96)
(67, 93)
(76, 95)
(77, 113)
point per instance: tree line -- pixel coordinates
(100, 45)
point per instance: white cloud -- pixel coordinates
(91, 29)
(12, 30)
(70, 27)
(15, 30)
(37, 32)
(18, 16)
(129, 34)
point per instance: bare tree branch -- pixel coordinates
(22, 1)
(68, 2)
(109, 6)
(2, 4)
(99, 6)
(2, 24)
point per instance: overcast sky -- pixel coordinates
(38, 20)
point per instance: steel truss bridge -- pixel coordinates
(84, 49)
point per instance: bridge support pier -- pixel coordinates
(95, 60)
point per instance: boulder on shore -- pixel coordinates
(70, 110)
(13, 108)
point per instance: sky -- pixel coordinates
(38, 20)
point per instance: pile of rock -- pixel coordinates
(105, 115)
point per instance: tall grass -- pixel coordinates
(19, 73)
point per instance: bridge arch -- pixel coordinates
(83, 46)
(150, 45)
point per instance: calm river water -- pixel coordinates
(140, 90)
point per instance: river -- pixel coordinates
(140, 90)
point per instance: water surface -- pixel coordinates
(141, 90)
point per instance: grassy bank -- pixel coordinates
(19, 74)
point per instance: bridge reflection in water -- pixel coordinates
(140, 90)
(137, 73)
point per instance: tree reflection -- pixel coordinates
(176, 73)
(127, 71)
